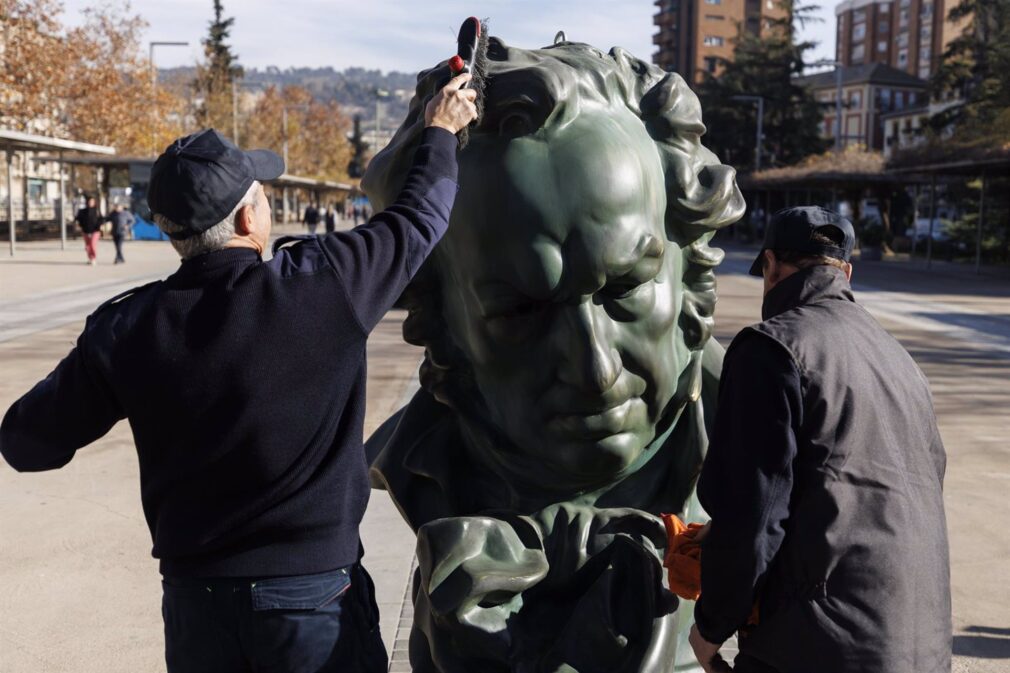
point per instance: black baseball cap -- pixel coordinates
(793, 228)
(200, 178)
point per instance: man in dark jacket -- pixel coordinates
(244, 385)
(121, 220)
(90, 219)
(823, 479)
(311, 218)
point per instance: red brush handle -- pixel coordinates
(456, 64)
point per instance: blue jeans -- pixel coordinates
(321, 623)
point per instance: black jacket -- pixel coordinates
(89, 219)
(244, 384)
(824, 483)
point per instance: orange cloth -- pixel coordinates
(683, 557)
(683, 560)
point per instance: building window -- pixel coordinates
(713, 2)
(924, 71)
(903, 40)
(899, 100)
(925, 35)
(855, 100)
(903, 19)
(858, 53)
(906, 3)
(713, 41)
(903, 58)
(927, 9)
(858, 32)
(883, 27)
(714, 17)
(885, 99)
(858, 15)
(885, 8)
(711, 63)
(882, 46)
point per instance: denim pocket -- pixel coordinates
(301, 592)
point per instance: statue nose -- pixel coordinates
(587, 359)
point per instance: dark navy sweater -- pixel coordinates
(244, 385)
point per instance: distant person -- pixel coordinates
(357, 215)
(244, 384)
(121, 220)
(90, 219)
(331, 219)
(311, 218)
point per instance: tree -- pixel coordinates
(359, 148)
(90, 83)
(316, 132)
(215, 77)
(974, 73)
(764, 65)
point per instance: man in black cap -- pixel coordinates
(244, 384)
(823, 479)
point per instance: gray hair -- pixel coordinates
(214, 238)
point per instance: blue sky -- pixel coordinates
(398, 34)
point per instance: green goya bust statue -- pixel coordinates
(568, 374)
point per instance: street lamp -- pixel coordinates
(154, 84)
(760, 124)
(379, 95)
(284, 132)
(838, 65)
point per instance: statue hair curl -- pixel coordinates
(550, 85)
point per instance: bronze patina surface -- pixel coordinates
(569, 373)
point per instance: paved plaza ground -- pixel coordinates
(79, 591)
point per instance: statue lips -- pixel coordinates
(593, 426)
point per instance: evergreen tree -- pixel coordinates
(764, 65)
(356, 166)
(214, 77)
(974, 73)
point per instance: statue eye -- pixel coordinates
(523, 310)
(515, 124)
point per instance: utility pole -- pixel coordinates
(154, 85)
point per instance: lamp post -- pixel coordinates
(379, 95)
(838, 66)
(760, 125)
(284, 134)
(154, 84)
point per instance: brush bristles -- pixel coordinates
(477, 81)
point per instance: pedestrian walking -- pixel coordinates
(331, 218)
(90, 219)
(823, 480)
(253, 498)
(122, 220)
(311, 218)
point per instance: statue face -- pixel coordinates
(563, 291)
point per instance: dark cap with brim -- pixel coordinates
(792, 229)
(200, 179)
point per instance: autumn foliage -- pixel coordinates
(93, 83)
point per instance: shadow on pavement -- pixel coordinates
(991, 643)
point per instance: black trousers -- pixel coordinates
(118, 240)
(321, 623)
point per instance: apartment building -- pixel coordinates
(909, 35)
(871, 92)
(695, 34)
